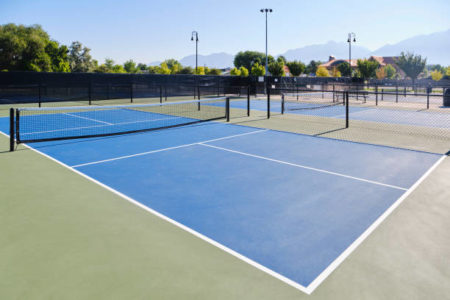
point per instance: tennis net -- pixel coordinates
(58, 123)
(311, 100)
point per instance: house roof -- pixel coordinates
(336, 62)
(382, 60)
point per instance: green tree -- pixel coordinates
(447, 72)
(173, 65)
(141, 67)
(80, 59)
(163, 69)
(296, 68)
(243, 71)
(118, 69)
(311, 68)
(322, 72)
(276, 69)
(248, 58)
(367, 68)
(281, 59)
(130, 66)
(258, 70)
(411, 64)
(345, 69)
(186, 70)
(58, 57)
(214, 71)
(235, 72)
(29, 48)
(436, 75)
(200, 71)
(109, 63)
(390, 71)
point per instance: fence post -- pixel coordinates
(165, 91)
(90, 92)
(268, 102)
(376, 95)
(248, 101)
(39, 94)
(160, 94)
(428, 98)
(334, 99)
(131, 92)
(396, 93)
(346, 109)
(382, 94)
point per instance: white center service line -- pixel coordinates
(86, 118)
(305, 167)
(165, 149)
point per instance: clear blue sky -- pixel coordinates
(152, 30)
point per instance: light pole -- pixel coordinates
(349, 41)
(195, 33)
(266, 10)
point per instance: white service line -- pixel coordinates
(86, 118)
(305, 167)
(165, 149)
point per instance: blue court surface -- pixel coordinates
(361, 113)
(289, 204)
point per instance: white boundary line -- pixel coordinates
(183, 227)
(305, 167)
(316, 282)
(86, 118)
(165, 149)
(322, 276)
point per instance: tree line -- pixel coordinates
(29, 48)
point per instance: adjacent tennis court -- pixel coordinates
(294, 206)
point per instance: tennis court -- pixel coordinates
(361, 113)
(291, 205)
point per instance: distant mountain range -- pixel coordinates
(435, 46)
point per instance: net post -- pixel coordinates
(11, 129)
(227, 108)
(17, 126)
(382, 94)
(346, 109)
(282, 103)
(160, 94)
(268, 102)
(428, 99)
(248, 101)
